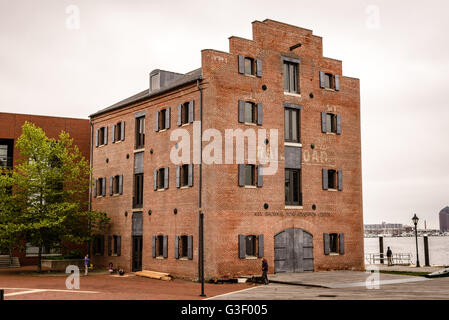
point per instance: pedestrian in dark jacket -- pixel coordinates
(264, 271)
(390, 256)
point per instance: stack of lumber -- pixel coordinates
(154, 275)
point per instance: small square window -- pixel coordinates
(183, 247)
(333, 243)
(100, 183)
(249, 66)
(162, 121)
(250, 175)
(331, 122)
(184, 175)
(159, 246)
(160, 178)
(140, 132)
(291, 77)
(250, 112)
(251, 245)
(185, 113)
(332, 179)
(101, 136)
(116, 185)
(329, 81)
(114, 245)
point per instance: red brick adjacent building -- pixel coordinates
(305, 215)
(11, 129)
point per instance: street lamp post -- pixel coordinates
(415, 220)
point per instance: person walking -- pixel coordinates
(86, 264)
(389, 256)
(264, 271)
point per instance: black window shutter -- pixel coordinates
(337, 82)
(259, 176)
(119, 246)
(96, 138)
(156, 128)
(241, 111)
(259, 68)
(113, 133)
(179, 114)
(325, 180)
(261, 246)
(167, 118)
(342, 243)
(241, 64)
(241, 175)
(322, 80)
(122, 131)
(95, 188)
(242, 246)
(190, 175)
(326, 243)
(176, 247)
(259, 114)
(190, 247)
(165, 248)
(166, 178)
(340, 180)
(120, 184)
(153, 246)
(109, 245)
(323, 122)
(178, 176)
(338, 124)
(106, 135)
(111, 186)
(103, 187)
(191, 111)
(155, 179)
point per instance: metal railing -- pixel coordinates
(398, 258)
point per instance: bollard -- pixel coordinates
(381, 249)
(2, 294)
(426, 251)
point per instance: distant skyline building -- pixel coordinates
(444, 220)
(385, 228)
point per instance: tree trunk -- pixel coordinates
(39, 259)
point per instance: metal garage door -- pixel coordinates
(293, 251)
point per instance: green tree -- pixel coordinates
(44, 199)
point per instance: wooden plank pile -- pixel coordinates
(154, 275)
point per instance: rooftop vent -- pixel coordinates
(160, 79)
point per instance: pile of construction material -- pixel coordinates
(154, 275)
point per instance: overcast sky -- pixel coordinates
(398, 49)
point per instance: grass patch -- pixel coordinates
(405, 273)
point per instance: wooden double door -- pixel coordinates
(293, 251)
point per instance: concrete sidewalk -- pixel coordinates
(345, 285)
(338, 279)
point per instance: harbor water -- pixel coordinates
(438, 248)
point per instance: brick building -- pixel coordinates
(302, 210)
(11, 129)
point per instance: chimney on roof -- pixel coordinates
(160, 79)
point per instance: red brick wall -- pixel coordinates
(230, 210)
(162, 221)
(79, 129)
